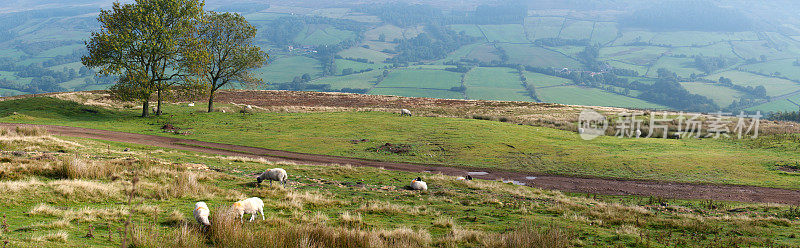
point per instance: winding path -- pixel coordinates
(601, 186)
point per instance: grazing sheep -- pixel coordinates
(468, 178)
(249, 107)
(191, 104)
(638, 133)
(404, 112)
(418, 184)
(201, 213)
(251, 206)
(275, 174)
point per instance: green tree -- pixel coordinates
(151, 44)
(228, 39)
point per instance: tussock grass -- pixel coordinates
(82, 168)
(227, 232)
(175, 218)
(352, 220)
(31, 131)
(444, 221)
(81, 190)
(59, 236)
(185, 235)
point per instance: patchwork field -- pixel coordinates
(541, 80)
(575, 95)
(774, 86)
(722, 96)
(510, 33)
(537, 56)
(495, 84)
(284, 69)
(356, 81)
(428, 79)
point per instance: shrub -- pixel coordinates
(30, 131)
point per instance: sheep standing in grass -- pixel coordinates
(405, 112)
(275, 174)
(251, 206)
(418, 184)
(201, 213)
(191, 104)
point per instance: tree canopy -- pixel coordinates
(228, 40)
(150, 43)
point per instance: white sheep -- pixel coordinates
(404, 112)
(580, 130)
(418, 184)
(274, 174)
(249, 107)
(191, 104)
(201, 213)
(251, 206)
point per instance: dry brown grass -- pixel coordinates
(182, 236)
(81, 168)
(59, 236)
(352, 220)
(227, 232)
(444, 221)
(30, 131)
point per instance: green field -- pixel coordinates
(784, 68)
(364, 53)
(632, 36)
(637, 55)
(756, 49)
(697, 38)
(541, 80)
(537, 56)
(428, 79)
(342, 64)
(722, 49)
(468, 29)
(357, 81)
(604, 32)
(484, 53)
(774, 86)
(286, 68)
(486, 83)
(684, 67)
(782, 105)
(543, 27)
(721, 95)
(510, 33)
(322, 35)
(390, 32)
(574, 95)
(578, 30)
(416, 92)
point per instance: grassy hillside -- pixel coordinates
(104, 188)
(450, 141)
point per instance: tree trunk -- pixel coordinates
(211, 101)
(158, 106)
(146, 108)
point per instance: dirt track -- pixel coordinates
(568, 184)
